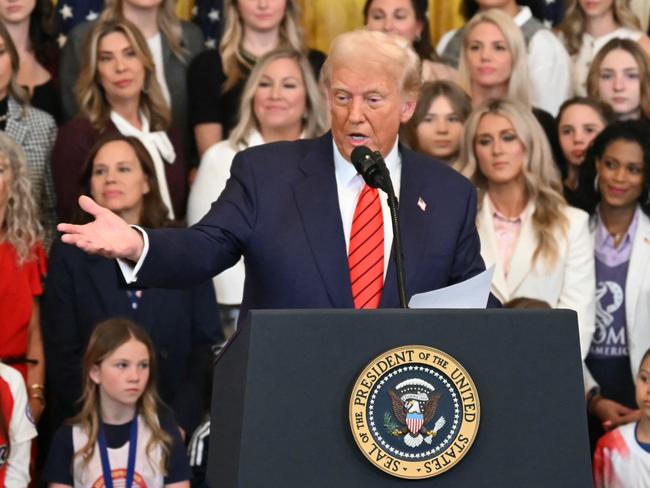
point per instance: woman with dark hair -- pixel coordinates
(216, 78)
(408, 19)
(617, 170)
(30, 25)
(437, 123)
(82, 290)
(579, 121)
(119, 93)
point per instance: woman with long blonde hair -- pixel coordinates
(118, 92)
(216, 79)
(541, 247)
(172, 43)
(588, 26)
(121, 433)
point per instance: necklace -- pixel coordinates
(618, 238)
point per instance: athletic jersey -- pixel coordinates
(18, 419)
(619, 460)
(147, 467)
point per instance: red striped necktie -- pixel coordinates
(366, 253)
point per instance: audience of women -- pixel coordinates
(280, 102)
(119, 93)
(407, 18)
(620, 77)
(437, 123)
(618, 168)
(216, 78)
(549, 65)
(30, 25)
(493, 65)
(33, 129)
(541, 247)
(589, 25)
(580, 120)
(83, 290)
(172, 44)
(22, 268)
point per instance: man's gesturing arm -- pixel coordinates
(108, 235)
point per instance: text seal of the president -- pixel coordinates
(414, 412)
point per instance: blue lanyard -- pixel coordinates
(103, 453)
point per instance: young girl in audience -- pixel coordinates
(493, 65)
(216, 78)
(281, 79)
(620, 77)
(31, 28)
(617, 169)
(118, 92)
(16, 429)
(437, 123)
(541, 247)
(589, 25)
(121, 436)
(579, 121)
(622, 457)
(407, 18)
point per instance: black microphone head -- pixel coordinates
(366, 165)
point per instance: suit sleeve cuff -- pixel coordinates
(130, 272)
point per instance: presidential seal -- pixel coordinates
(414, 412)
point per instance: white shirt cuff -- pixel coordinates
(129, 271)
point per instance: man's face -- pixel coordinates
(366, 105)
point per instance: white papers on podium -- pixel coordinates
(471, 293)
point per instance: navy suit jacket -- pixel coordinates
(280, 211)
(83, 290)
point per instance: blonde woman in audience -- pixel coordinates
(281, 102)
(494, 65)
(541, 247)
(588, 25)
(172, 43)
(118, 92)
(620, 77)
(408, 18)
(437, 123)
(216, 78)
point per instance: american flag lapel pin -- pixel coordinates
(646, 240)
(422, 204)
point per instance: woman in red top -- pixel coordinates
(22, 267)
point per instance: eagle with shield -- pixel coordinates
(414, 406)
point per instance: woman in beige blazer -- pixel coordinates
(541, 247)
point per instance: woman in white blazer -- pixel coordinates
(541, 247)
(619, 164)
(281, 101)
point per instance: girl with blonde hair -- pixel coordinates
(118, 92)
(216, 79)
(541, 247)
(588, 26)
(121, 433)
(172, 43)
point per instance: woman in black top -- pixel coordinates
(216, 78)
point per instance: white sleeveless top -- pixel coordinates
(590, 47)
(147, 471)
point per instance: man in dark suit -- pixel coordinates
(291, 208)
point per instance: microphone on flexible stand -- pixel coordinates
(372, 167)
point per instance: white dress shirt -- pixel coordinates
(348, 185)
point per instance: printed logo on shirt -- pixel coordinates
(414, 412)
(4, 454)
(29, 414)
(119, 480)
(609, 339)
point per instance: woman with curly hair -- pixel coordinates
(216, 78)
(541, 247)
(118, 92)
(22, 268)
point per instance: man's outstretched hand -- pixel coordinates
(108, 235)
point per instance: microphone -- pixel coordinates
(372, 167)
